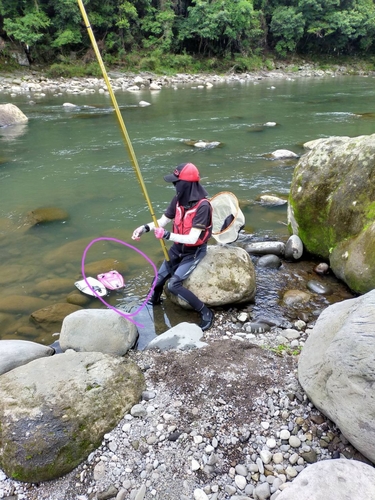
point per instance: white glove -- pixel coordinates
(139, 231)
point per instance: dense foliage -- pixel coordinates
(151, 30)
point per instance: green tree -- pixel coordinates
(218, 27)
(287, 27)
(340, 26)
(24, 22)
(158, 27)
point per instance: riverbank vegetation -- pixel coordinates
(166, 36)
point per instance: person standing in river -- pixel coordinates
(191, 213)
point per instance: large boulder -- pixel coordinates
(332, 479)
(11, 115)
(15, 353)
(331, 206)
(336, 369)
(55, 411)
(98, 330)
(224, 276)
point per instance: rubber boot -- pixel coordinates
(155, 298)
(207, 318)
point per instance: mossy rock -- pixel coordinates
(331, 201)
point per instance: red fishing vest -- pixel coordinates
(183, 222)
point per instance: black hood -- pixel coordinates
(187, 192)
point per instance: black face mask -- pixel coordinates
(188, 192)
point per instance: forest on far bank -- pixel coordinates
(185, 35)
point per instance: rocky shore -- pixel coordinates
(35, 83)
(227, 421)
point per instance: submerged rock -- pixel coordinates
(51, 317)
(46, 214)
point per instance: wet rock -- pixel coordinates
(283, 153)
(226, 275)
(105, 265)
(332, 216)
(293, 297)
(269, 261)
(293, 248)
(67, 254)
(203, 144)
(46, 215)
(11, 115)
(20, 304)
(322, 268)
(318, 287)
(265, 248)
(17, 273)
(78, 299)
(53, 286)
(271, 200)
(51, 317)
(257, 327)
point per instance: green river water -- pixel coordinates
(75, 159)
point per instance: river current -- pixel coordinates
(74, 159)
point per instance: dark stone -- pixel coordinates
(111, 492)
(173, 436)
(310, 456)
(319, 288)
(270, 261)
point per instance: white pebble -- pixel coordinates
(294, 441)
(284, 434)
(271, 443)
(240, 482)
(200, 495)
(195, 465)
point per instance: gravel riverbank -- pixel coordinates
(36, 84)
(228, 421)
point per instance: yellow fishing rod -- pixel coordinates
(121, 121)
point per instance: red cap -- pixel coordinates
(184, 172)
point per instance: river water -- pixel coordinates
(75, 159)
